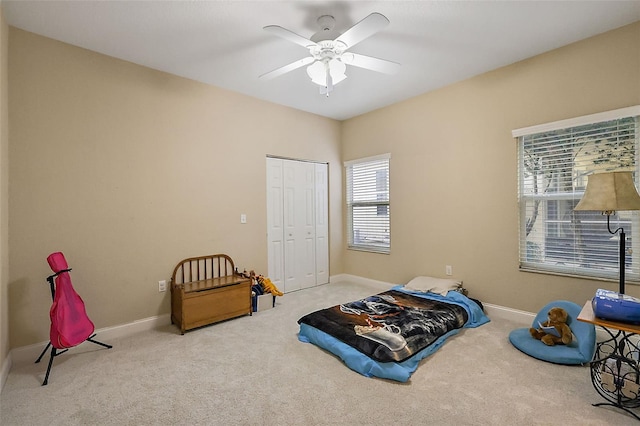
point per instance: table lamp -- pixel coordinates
(608, 193)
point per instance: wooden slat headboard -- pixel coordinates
(202, 268)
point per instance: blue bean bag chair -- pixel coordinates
(579, 351)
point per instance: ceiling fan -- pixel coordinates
(329, 51)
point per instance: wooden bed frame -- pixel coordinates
(206, 290)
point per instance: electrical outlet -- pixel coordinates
(449, 270)
(162, 285)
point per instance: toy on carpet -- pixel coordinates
(554, 330)
(265, 284)
(268, 286)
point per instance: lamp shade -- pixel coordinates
(318, 72)
(607, 192)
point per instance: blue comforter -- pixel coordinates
(395, 370)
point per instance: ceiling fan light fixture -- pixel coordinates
(318, 72)
(329, 58)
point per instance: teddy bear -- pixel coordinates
(557, 319)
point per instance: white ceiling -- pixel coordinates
(222, 42)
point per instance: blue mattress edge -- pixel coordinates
(398, 371)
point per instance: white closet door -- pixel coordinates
(322, 223)
(297, 224)
(291, 281)
(275, 222)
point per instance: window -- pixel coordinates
(368, 203)
(554, 162)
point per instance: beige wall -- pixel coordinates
(128, 170)
(453, 167)
(4, 199)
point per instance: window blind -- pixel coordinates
(368, 203)
(554, 163)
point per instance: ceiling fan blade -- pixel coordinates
(370, 63)
(290, 35)
(363, 29)
(287, 68)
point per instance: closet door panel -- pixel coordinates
(304, 223)
(322, 223)
(297, 223)
(275, 222)
(292, 244)
(310, 224)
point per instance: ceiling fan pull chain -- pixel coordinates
(329, 79)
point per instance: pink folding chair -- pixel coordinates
(70, 324)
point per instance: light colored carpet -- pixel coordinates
(253, 371)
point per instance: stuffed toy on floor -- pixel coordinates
(558, 320)
(268, 286)
(265, 283)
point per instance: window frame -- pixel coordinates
(547, 265)
(381, 243)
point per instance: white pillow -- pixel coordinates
(434, 285)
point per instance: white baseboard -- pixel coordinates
(4, 371)
(28, 354)
(361, 280)
(497, 311)
(338, 278)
